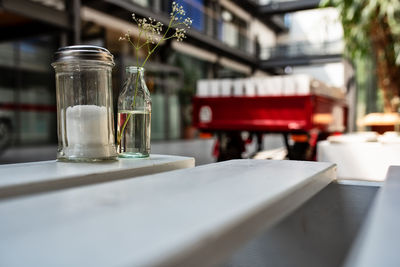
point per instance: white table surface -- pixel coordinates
(368, 161)
(27, 178)
(189, 217)
(378, 243)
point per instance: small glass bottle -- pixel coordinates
(84, 104)
(134, 116)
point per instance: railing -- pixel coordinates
(274, 7)
(271, 2)
(301, 49)
(55, 4)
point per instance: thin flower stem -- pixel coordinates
(177, 24)
(119, 137)
(129, 40)
(172, 36)
(146, 43)
(162, 39)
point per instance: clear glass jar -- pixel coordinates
(85, 118)
(134, 116)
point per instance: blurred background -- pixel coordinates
(229, 39)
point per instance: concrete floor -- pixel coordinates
(200, 149)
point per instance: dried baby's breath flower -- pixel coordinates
(153, 34)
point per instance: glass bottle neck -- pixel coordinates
(132, 72)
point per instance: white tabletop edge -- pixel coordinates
(357, 182)
(15, 186)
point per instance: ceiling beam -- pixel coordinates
(38, 12)
(282, 7)
(275, 22)
(299, 61)
(23, 31)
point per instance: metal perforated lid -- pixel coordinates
(83, 52)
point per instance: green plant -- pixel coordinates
(152, 32)
(372, 27)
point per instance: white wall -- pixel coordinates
(256, 28)
(315, 26)
(331, 74)
(266, 36)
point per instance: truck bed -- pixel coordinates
(269, 113)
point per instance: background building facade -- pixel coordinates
(229, 39)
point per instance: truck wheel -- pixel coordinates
(231, 146)
(5, 135)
